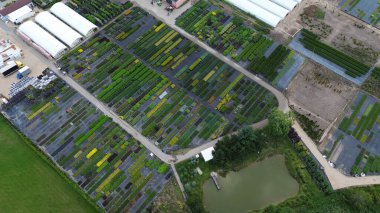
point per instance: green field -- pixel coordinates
(29, 183)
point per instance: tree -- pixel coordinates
(359, 200)
(232, 149)
(237, 21)
(280, 123)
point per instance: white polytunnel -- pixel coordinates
(288, 4)
(73, 19)
(251, 8)
(271, 7)
(268, 11)
(42, 38)
(59, 29)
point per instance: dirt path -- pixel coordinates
(336, 178)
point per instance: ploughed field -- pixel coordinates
(114, 169)
(171, 90)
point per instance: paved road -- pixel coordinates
(336, 178)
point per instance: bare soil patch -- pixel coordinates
(169, 200)
(344, 32)
(319, 94)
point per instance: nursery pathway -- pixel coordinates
(156, 12)
(107, 111)
(337, 179)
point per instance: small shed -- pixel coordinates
(207, 154)
(13, 7)
(20, 15)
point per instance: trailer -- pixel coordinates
(9, 68)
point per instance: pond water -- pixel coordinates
(254, 187)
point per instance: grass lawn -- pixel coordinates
(28, 183)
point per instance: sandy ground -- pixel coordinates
(29, 58)
(320, 93)
(341, 30)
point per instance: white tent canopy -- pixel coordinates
(42, 38)
(207, 154)
(73, 19)
(257, 11)
(20, 14)
(59, 29)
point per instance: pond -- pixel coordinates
(254, 187)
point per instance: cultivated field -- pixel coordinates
(372, 85)
(354, 147)
(114, 169)
(366, 10)
(335, 28)
(99, 12)
(29, 183)
(248, 46)
(167, 87)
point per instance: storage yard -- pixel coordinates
(28, 58)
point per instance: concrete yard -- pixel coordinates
(30, 58)
(160, 10)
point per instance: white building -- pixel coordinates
(59, 29)
(42, 38)
(269, 11)
(207, 154)
(73, 19)
(20, 15)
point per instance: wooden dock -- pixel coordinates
(214, 177)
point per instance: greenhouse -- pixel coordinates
(59, 29)
(269, 11)
(42, 38)
(73, 19)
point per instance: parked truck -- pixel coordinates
(24, 71)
